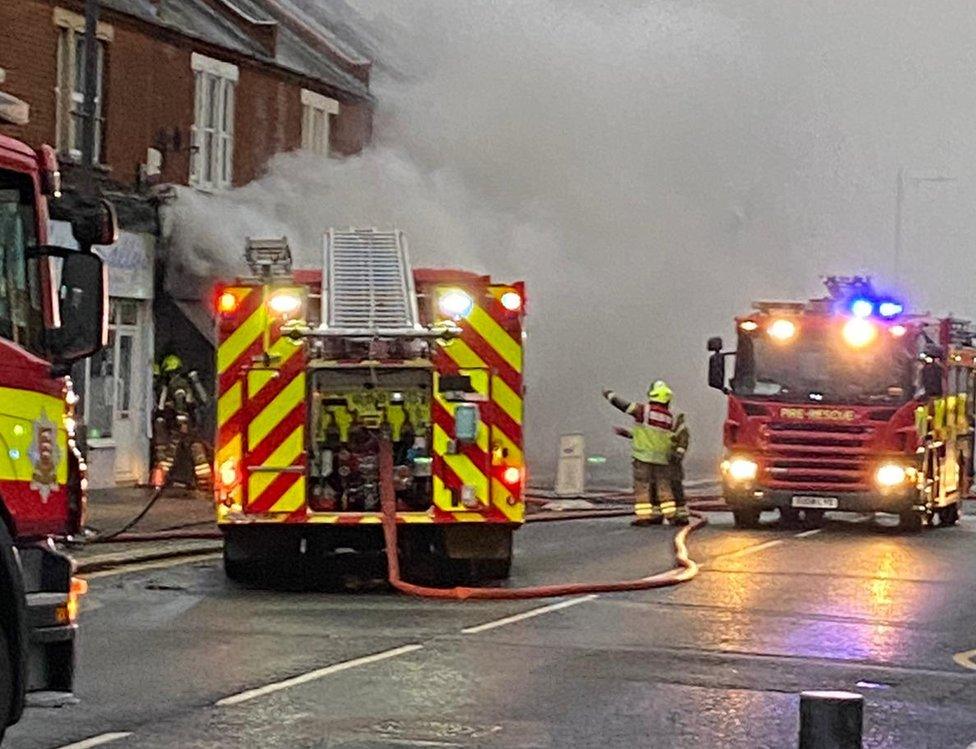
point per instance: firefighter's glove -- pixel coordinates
(621, 432)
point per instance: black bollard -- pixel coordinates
(831, 720)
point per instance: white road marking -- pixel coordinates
(527, 615)
(105, 738)
(159, 564)
(753, 549)
(807, 534)
(965, 659)
(318, 673)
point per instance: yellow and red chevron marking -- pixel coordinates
(261, 406)
(489, 351)
(261, 417)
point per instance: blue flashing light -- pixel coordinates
(862, 308)
(890, 309)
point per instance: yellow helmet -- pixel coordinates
(659, 392)
(171, 363)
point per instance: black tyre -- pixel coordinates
(910, 521)
(746, 517)
(948, 515)
(235, 569)
(789, 517)
(813, 518)
(6, 683)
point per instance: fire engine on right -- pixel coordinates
(847, 403)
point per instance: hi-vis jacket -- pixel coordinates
(652, 438)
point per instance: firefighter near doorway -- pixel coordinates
(659, 441)
(176, 433)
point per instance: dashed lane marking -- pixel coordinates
(318, 673)
(159, 564)
(527, 615)
(100, 740)
(807, 534)
(966, 659)
(753, 549)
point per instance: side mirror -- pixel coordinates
(715, 344)
(95, 223)
(82, 304)
(716, 371)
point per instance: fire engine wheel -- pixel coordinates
(6, 683)
(746, 517)
(948, 515)
(911, 521)
(235, 569)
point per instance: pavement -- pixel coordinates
(174, 655)
(177, 510)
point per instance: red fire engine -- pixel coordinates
(52, 313)
(847, 403)
(314, 368)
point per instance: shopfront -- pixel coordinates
(115, 385)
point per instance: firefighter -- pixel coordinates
(680, 443)
(175, 423)
(653, 449)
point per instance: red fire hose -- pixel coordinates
(685, 570)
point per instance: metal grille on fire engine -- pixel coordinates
(824, 457)
(369, 285)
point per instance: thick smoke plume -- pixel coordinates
(648, 169)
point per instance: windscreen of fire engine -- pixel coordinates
(21, 315)
(817, 365)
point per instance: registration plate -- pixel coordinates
(817, 503)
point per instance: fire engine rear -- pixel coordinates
(316, 368)
(847, 403)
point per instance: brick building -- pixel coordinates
(191, 92)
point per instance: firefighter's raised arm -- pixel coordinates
(620, 404)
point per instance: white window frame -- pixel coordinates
(212, 163)
(69, 102)
(316, 110)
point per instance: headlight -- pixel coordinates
(740, 469)
(512, 301)
(455, 303)
(285, 303)
(859, 332)
(782, 330)
(890, 475)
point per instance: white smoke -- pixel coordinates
(648, 169)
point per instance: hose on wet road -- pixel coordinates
(684, 570)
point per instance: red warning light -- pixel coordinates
(226, 303)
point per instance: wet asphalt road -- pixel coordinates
(716, 662)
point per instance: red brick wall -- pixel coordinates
(352, 129)
(149, 99)
(267, 120)
(149, 91)
(29, 54)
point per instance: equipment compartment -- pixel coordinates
(351, 409)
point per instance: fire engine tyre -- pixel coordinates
(948, 515)
(746, 517)
(235, 569)
(6, 682)
(910, 521)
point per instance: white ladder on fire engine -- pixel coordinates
(368, 283)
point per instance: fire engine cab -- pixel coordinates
(52, 313)
(850, 403)
(316, 367)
